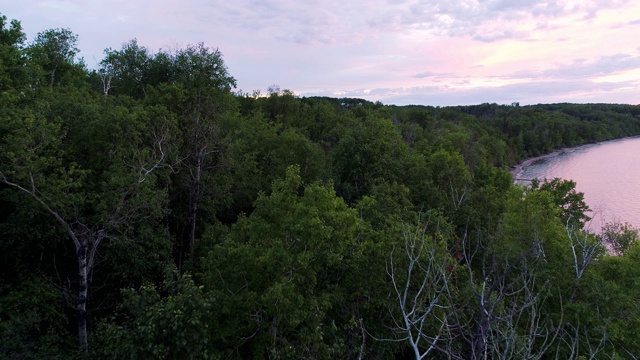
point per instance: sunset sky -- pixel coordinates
(435, 52)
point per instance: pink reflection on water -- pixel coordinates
(607, 173)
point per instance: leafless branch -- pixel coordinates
(33, 194)
(420, 292)
(582, 249)
(159, 157)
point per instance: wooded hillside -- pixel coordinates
(149, 210)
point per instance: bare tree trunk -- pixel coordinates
(83, 290)
(86, 243)
(86, 239)
(52, 76)
(106, 82)
(479, 345)
(86, 248)
(81, 244)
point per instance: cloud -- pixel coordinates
(425, 74)
(500, 35)
(333, 21)
(585, 69)
(282, 20)
(534, 92)
(605, 65)
(487, 20)
(414, 51)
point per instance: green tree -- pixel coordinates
(281, 273)
(259, 152)
(171, 322)
(571, 202)
(125, 71)
(620, 237)
(197, 91)
(54, 51)
(452, 179)
(603, 317)
(33, 323)
(12, 70)
(370, 152)
(89, 200)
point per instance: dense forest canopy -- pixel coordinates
(151, 211)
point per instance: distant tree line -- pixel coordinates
(149, 210)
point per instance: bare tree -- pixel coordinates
(502, 319)
(106, 75)
(583, 248)
(576, 335)
(160, 155)
(422, 292)
(507, 321)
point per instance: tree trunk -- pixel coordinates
(195, 200)
(52, 76)
(83, 289)
(479, 343)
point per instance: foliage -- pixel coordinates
(53, 52)
(33, 323)
(168, 323)
(573, 208)
(285, 221)
(284, 268)
(620, 237)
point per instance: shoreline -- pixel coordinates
(517, 169)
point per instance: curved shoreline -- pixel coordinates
(517, 169)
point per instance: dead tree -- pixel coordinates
(421, 286)
(583, 249)
(508, 322)
(503, 317)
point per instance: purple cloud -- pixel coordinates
(393, 50)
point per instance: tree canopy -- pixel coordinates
(149, 211)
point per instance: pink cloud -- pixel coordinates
(407, 46)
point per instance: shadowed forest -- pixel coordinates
(150, 210)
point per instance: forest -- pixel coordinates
(151, 210)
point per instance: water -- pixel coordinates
(608, 174)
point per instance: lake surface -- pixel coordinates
(608, 174)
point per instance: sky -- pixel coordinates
(423, 52)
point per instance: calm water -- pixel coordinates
(607, 173)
